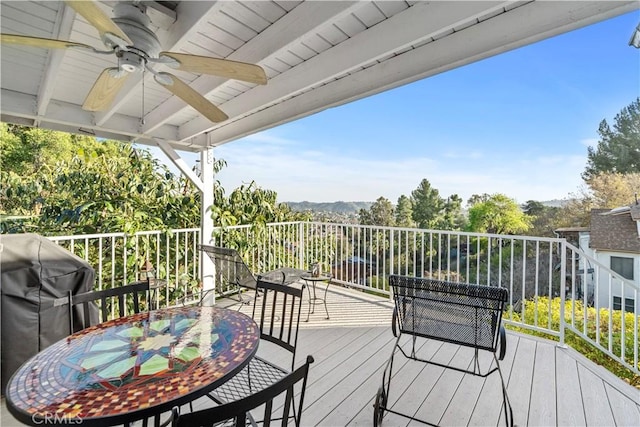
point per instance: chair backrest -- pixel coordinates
(230, 267)
(277, 312)
(273, 410)
(460, 313)
(116, 299)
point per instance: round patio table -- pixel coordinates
(133, 367)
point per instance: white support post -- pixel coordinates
(204, 183)
(207, 267)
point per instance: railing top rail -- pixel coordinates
(170, 230)
(451, 232)
(86, 236)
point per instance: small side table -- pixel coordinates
(311, 283)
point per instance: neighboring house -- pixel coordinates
(613, 239)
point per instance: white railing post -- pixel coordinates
(207, 268)
(563, 285)
(301, 245)
(391, 260)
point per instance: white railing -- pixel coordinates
(119, 259)
(554, 287)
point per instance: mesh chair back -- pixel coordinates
(122, 300)
(277, 313)
(459, 313)
(278, 400)
(230, 267)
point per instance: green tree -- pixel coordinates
(251, 204)
(452, 217)
(380, 213)
(404, 212)
(26, 150)
(605, 190)
(427, 205)
(618, 149)
(544, 219)
(498, 215)
(126, 191)
(80, 185)
(478, 198)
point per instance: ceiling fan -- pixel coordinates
(127, 36)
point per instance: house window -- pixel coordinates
(623, 266)
(628, 304)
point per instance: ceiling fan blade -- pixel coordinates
(39, 42)
(90, 11)
(219, 67)
(105, 89)
(191, 97)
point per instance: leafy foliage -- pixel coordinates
(404, 212)
(88, 186)
(427, 204)
(380, 213)
(544, 219)
(605, 190)
(498, 215)
(451, 216)
(618, 149)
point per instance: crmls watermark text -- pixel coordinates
(56, 419)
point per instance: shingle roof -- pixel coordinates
(614, 232)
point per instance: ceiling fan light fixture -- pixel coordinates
(130, 62)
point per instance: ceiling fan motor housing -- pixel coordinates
(134, 22)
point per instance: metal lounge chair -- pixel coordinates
(456, 313)
(233, 273)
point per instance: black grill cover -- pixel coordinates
(33, 273)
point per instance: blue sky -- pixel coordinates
(517, 123)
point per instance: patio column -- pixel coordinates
(204, 183)
(207, 268)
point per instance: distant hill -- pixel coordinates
(352, 208)
(332, 207)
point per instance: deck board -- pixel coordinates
(594, 397)
(543, 388)
(570, 411)
(625, 412)
(547, 384)
(486, 411)
(437, 401)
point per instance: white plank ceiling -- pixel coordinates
(316, 54)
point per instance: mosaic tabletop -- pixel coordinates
(132, 367)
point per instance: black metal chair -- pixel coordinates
(277, 313)
(457, 313)
(233, 274)
(116, 299)
(237, 413)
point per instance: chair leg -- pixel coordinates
(506, 404)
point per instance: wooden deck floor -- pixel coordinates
(547, 385)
